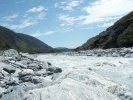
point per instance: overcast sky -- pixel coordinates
(62, 23)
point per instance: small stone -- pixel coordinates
(99, 55)
(90, 68)
(50, 69)
(57, 70)
(50, 73)
(49, 63)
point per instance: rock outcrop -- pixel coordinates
(20, 72)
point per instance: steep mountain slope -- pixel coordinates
(118, 35)
(21, 42)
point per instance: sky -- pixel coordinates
(62, 23)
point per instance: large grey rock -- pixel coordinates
(9, 69)
(11, 54)
(1, 76)
(26, 72)
(20, 73)
(26, 78)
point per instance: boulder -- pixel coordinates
(40, 73)
(9, 69)
(26, 75)
(26, 72)
(11, 54)
(26, 78)
(37, 80)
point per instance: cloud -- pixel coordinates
(38, 33)
(26, 23)
(18, 2)
(9, 25)
(36, 13)
(11, 17)
(104, 10)
(32, 20)
(101, 12)
(36, 9)
(68, 5)
(23, 24)
(67, 30)
(41, 16)
(107, 24)
(66, 20)
(27, 20)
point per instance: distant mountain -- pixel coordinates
(21, 42)
(118, 35)
(61, 49)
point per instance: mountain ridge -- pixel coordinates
(117, 36)
(21, 42)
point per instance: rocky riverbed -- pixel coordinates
(83, 75)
